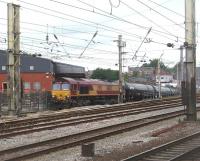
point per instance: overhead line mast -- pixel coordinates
(14, 80)
(190, 45)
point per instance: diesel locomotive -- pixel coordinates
(79, 92)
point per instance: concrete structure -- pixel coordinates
(198, 78)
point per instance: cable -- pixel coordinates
(62, 17)
(61, 45)
(84, 20)
(148, 19)
(75, 55)
(141, 43)
(75, 46)
(88, 43)
(153, 30)
(101, 35)
(106, 13)
(112, 5)
(126, 39)
(167, 8)
(159, 13)
(108, 28)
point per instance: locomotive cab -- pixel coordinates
(61, 91)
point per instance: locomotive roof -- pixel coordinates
(86, 81)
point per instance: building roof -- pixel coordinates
(33, 64)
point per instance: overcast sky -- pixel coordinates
(71, 25)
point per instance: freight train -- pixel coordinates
(80, 92)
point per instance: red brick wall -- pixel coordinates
(44, 79)
(3, 78)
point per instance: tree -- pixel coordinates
(154, 63)
(105, 74)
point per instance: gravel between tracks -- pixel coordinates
(48, 134)
(112, 148)
(126, 144)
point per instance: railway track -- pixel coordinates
(25, 129)
(84, 112)
(183, 149)
(47, 146)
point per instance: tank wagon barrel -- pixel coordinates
(136, 91)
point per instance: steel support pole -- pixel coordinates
(190, 45)
(159, 81)
(14, 80)
(120, 45)
(181, 69)
(181, 64)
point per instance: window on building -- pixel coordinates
(3, 67)
(31, 67)
(36, 86)
(27, 85)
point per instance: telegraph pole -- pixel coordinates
(14, 81)
(121, 44)
(190, 45)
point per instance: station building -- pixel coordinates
(38, 74)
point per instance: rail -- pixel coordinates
(174, 151)
(43, 147)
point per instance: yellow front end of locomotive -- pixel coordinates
(61, 95)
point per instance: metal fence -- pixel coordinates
(31, 102)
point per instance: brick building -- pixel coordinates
(37, 73)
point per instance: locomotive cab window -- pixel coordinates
(65, 86)
(56, 86)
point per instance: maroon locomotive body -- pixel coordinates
(84, 91)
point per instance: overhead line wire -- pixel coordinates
(106, 15)
(84, 20)
(167, 8)
(148, 19)
(103, 26)
(81, 22)
(160, 14)
(121, 18)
